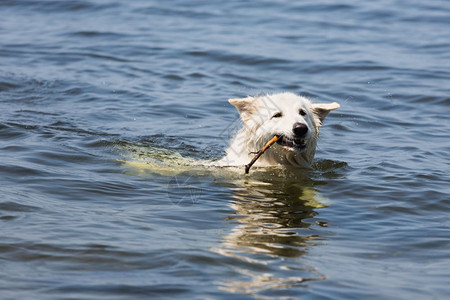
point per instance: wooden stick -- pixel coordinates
(260, 152)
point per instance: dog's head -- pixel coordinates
(294, 118)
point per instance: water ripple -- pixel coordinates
(95, 96)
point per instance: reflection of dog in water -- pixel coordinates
(273, 223)
(273, 219)
(295, 119)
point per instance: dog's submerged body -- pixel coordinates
(294, 118)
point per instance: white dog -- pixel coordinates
(292, 117)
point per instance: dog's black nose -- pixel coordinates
(300, 129)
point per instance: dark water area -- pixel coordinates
(87, 85)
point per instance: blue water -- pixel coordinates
(88, 85)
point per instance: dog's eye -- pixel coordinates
(302, 112)
(277, 115)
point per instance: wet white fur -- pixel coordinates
(259, 126)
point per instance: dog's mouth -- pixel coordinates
(295, 143)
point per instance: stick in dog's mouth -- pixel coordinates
(260, 152)
(291, 143)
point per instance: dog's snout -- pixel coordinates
(300, 129)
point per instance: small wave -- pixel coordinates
(241, 59)
(17, 207)
(5, 86)
(321, 8)
(436, 100)
(173, 11)
(56, 6)
(95, 34)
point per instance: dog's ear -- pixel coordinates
(321, 110)
(245, 106)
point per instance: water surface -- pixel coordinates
(86, 85)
